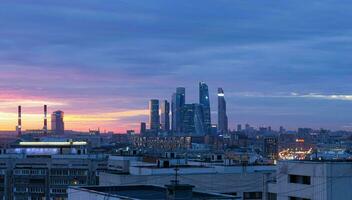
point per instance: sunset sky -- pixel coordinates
(279, 62)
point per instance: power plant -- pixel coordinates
(44, 130)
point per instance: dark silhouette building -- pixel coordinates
(57, 122)
(178, 101)
(165, 116)
(222, 116)
(154, 117)
(204, 101)
(271, 148)
(192, 120)
(143, 129)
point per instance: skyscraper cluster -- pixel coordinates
(192, 119)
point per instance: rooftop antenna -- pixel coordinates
(176, 181)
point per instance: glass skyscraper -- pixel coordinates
(178, 101)
(222, 116)
(165, 116)
(154, 117)
(192, 120)
(204, 101)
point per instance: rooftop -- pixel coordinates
(50, 144)
(142, 192)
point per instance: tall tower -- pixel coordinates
(57, 122)
(19, 124)
(222, 116)
(45, 127)
(143, 129)
(204, 101)
(165, 116)
(178, 101)
(154, 117)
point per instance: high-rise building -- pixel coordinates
(45, 170)
(199, 120)
(143, 129)
(204, 101)
(222, 116)
(178, 101)
(165, 116)
(271, 147)
(282, 130)
(192, 120)
(57, 122)
(154, 117)
(239, 127)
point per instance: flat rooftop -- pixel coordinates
(171, 167)
(143, 192)
(49, 144)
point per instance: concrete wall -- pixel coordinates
(329, 180)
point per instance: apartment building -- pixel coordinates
(44, 170)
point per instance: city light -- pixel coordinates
(52, 143)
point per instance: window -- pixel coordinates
(272, 196)
(299, 179)
(298, 198)
(252, 195)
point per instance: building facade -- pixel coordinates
(311, 180)
(57, 122)
(178, 101)
(222, 115)
(192, 120)
(154, 117)
(165, 116)
(44, 170)
(271, 147)
(204, 101)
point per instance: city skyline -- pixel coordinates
(101, 64)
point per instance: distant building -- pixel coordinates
(165, 116)
(154, 117)
(222, 116)
(247, 127)
(192, 120)
(57, 122)
(271, 147)
(204, 101)
(214, 129)
(178, 101)
(130, 132)
(143, 129)
(239, 127)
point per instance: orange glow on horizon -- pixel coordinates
(78, 122)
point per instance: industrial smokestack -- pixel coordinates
(45, 128)
(19, 125)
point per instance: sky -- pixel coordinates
(280, 63)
